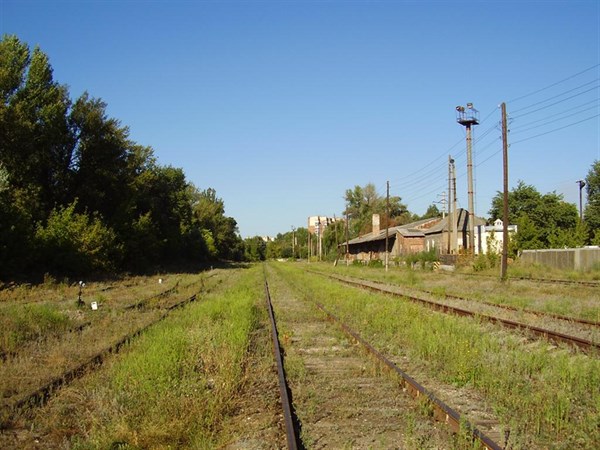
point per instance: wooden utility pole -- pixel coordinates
(387, 225)
(347, 249)
(504, 264)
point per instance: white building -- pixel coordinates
(491, 237)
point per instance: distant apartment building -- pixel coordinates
(319, 223)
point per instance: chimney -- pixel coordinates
(376, 228)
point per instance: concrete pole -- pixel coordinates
(504, 266)
(470, 191)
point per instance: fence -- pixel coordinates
(586, 258)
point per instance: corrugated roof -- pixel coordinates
(407, 230)
(462, 222)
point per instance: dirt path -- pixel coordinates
(341, 397)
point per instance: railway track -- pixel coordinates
(568, 319)
(584, 345)
(534, 280)
(40, 395)
(441, 411)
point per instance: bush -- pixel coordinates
(75, 243)
(424, 258)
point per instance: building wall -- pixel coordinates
(491, 238)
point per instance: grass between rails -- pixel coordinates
(546, 398)
(173, 386)
(29, 314)
(572, 301)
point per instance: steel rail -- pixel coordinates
(286, 403)
(583, 344)
(442, 412)
(39, 396)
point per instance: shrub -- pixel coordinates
(76, 243)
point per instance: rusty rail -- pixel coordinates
(288, 414)
(583, 344)
(442, 412)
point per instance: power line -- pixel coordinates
(556, 103)
(556, 129)
(553, 84)
(523, 130)
(557, 114)
(559, 95)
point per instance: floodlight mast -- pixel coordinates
(468, 117)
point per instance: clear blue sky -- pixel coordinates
(282, 106)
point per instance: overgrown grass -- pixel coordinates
(30, 322)
(575, 301)
(175, 384)
(546, 398)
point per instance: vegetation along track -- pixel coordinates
(586, 345)
(362, 408)
(22, 401)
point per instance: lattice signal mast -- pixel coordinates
(468, 117)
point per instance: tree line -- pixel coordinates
(78, 196)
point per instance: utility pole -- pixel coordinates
(319, 237)
(454, 218)
(387, 226)
(467, 118)
(347, 249)
(293, 242)
(504, 266)
(581, 186)
(450, 162)
(309, 242)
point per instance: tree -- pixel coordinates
(432, 211)
(255, 249)
(35, 137)
(76, 191)
(592, 208)
(99, 162)
(363, 202)
(76, 243)
(543, 221)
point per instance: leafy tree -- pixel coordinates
(255, 249)
(363, 202)
(76, 243)
(77, 195)
(99, 162)
(35, 138)
(333, 235)
(543, 220)
(209, 213)
(432, 211)
(592, 208)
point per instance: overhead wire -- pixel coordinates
(560, 95)
(556, 129)
(553, 84)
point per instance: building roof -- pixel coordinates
(413, 229)
(463, 222)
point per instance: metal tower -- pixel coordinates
(468, 117)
